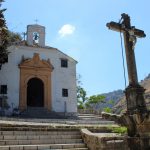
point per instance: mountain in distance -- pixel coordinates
(111, 99)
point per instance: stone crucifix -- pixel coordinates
(134, 92)
(130, 34)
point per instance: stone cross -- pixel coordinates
(36, 21)
(130, 34)
(134, 92)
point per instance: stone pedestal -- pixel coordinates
(135, 99)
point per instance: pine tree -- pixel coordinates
(3, 36)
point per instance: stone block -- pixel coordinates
(19, 132)
(16, 148)
(2, 143)
(79, 145)
(42, 147)
(9, 137)
(24, 142)
(12, 142)
(7, 132)
(1, 137)
(67, 146)
(56, 146)
(30, 147)
(4, 148)
(33, 137)
(21, 137)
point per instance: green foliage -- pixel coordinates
(81, 97)
(94, 99)
(81, 94)
(83, 100)
(6, 37)
(107, 109)
(112, 102)
(80, 105)
(120, 130)
(3, 36)
(14, 37)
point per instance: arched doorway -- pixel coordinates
(35, 68)
(35, 93)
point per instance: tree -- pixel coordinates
(13, 37)
(107, 109)
(94, 100)
(81, 97)
(3, 37)
(81, 94)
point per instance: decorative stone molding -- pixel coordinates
(35, 68)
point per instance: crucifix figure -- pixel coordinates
(134, 92)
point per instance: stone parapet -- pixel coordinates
(104, 141)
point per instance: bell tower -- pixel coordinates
(36, 35)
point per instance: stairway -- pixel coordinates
(89, 117)
(92, 119)
(40, 112)
(56, 139)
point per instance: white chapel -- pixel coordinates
(38, 76)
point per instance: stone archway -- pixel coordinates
(35, 68)
(35, 93)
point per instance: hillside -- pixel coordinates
(120, 106)
(111, 98)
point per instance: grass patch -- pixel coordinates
(119, 130)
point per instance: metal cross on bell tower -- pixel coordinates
(134, 92)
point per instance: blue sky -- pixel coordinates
(78, 28)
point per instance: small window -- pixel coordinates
(65, 92)
(3, 89)
(64, 63)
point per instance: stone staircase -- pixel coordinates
(92, 119)
(89, 117)
(40, 112)
(56, 139)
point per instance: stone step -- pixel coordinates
(40, 112)
(35, 121)
(39, 133)
(87, 114)
(40, 137)
(71, 149)
(37, 137)
(40, 141)
(43, 146)
(95, 122)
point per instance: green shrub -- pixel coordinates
(120, 130)
(107, 109)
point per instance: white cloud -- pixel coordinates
(66, 29)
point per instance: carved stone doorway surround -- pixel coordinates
(35, 68)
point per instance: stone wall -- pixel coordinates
(104, 141)
(110, 141)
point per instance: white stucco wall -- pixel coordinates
(61, 77)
